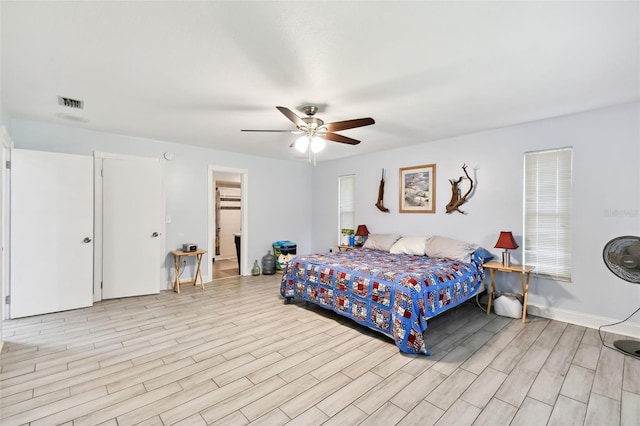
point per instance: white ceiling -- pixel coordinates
(198, 72)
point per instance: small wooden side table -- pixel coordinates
(177, 260)
(524, 272)
(343, 247)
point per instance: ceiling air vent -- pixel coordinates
(71, 103)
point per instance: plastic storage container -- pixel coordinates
(268, 264)
(284, 251)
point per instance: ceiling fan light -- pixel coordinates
(317, 144)
(302, 143)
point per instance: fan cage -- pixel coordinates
(615, 249)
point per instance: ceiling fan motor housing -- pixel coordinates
(313, 122)
(310, 110)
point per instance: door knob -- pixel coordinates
(155, 234)
(86, 240)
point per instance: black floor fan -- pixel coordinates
(622, 257)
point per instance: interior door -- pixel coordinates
(51, 266)
(132, 224)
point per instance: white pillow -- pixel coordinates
(438, 246)
(380, 241)
(410, 245)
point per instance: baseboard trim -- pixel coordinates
(590, 321)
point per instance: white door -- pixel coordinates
(51, 232)
(132, 224)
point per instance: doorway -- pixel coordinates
(227, 215)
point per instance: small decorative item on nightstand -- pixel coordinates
(347, 234)
(506, 242)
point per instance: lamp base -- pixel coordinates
(506, 258)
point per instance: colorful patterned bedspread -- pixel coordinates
(394, 294)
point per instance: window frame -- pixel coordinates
(346, 208)
(547, 212)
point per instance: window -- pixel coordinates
(547, 212)
(346, 204)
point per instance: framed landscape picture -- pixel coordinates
(418, 189)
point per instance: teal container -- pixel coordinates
(283, 252)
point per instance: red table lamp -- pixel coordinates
(361, 234)
(506, 242)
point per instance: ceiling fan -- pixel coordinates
(314, 131)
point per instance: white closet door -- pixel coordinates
(132, 208)
(51, 232)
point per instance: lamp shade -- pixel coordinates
(362, 231)
(302, 143)
(506, 241)
(317, 144)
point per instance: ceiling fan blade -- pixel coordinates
(282, 131)
(292, 116)
(342, 139)
(349, 124)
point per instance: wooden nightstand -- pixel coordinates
(177, 257)
(343, 247)
(523, 270)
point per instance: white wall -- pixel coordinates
(606, 197)
(606, 204)
(272, 216)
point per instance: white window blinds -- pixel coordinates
(347, 191)
(547, 212)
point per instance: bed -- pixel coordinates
(394, 293)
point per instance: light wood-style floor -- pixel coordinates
(235, 354)
(225, 268)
